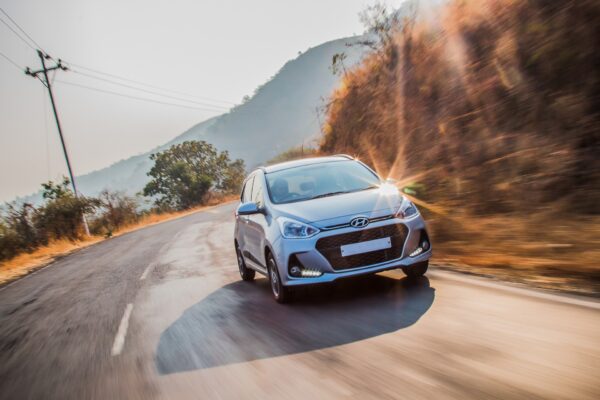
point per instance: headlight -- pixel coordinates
(407, 209)
(292, 229)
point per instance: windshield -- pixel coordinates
(319, 180)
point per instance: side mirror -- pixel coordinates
(248, 208)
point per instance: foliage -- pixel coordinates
(183, 174)
(24, 228)
(53, 191)
(337, 63)
(294, 153)
(10, 243)
(117, 211)
(17, 232)
(62, 214)
(493, 105)
(490, 110)
(233, 177)
(381, 22)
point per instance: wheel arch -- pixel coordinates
(268, 250)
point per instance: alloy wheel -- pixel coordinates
(274, 278)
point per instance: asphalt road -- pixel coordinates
(162, 313)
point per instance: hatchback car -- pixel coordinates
(317, 220)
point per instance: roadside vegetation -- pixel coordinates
(185, 177)
(294, 153)
(489, 110)
(188, 174)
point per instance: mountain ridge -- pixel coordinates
(279, 115)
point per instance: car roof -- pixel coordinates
(304, 161)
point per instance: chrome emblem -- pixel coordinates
(359, 222)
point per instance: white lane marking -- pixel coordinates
(146, 272)
(537, 293)
(122, 332)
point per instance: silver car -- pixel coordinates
(317, 220)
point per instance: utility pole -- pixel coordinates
(46, 82)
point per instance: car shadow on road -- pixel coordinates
(241, 322)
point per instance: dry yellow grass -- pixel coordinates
(489, 121)
(539, 251)
(26, 263)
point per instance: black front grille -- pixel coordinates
(330, 246)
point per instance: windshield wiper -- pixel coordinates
(329, 194)
(368, 188)
(342, 192)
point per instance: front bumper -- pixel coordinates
(306, 252)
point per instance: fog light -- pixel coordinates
(415, 253)
(311, 273)
(295, 271)
(425, 245)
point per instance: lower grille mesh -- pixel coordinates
(329, 246)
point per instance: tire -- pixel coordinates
(246, 273)
(416, 270)
(281, 294)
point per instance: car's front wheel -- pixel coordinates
(416, 270)
(246, 273)
(281, 293)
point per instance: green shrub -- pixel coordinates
(183, 175)
(116, 210)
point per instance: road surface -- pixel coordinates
(162, 313)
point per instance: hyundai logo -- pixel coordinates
(359, 222)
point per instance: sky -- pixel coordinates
(215, 50)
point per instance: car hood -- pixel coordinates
(341, 208)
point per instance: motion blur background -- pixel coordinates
(486, 112)
(489, 111)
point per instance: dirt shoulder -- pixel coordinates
(556, 254)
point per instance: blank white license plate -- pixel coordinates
(365, 247)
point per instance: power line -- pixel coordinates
(135, 97)
(229, 103)
(149, 85)
(7, 58)
(150, 91)
(21, 29)
(17, 34)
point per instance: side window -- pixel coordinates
(257, 191)
(246, 193)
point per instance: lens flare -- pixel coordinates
(388, 189)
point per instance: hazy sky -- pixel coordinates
(216, 49)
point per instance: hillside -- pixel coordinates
(489, 111)
(281, 114)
